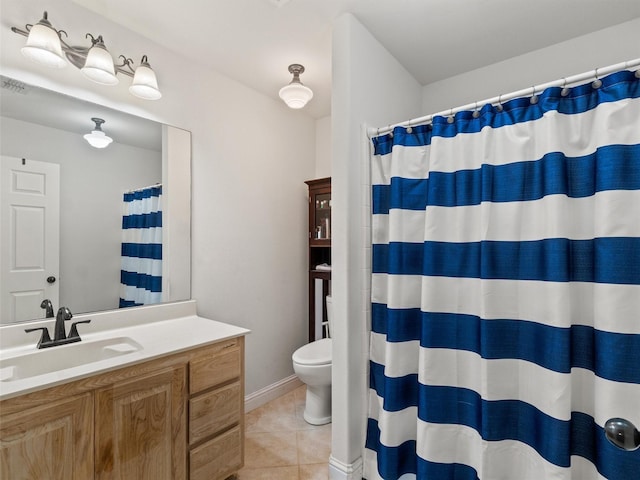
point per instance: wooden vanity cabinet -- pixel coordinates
(216, 411)
(173, 418)
(139, 427)
(52, 441)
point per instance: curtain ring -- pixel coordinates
(409, 129)
(476, 113)
(450, 117)
(534, 98)
(597, 83)
(565, 91)
(499, 107)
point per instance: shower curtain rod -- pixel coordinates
(562, 82)
(159, 184)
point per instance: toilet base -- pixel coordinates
(317, 407)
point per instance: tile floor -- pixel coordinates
(280, 445)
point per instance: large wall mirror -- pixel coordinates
(62, 204)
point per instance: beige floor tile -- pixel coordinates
(319, 471)
(270, 450)
(280, 445)
(266, 420)
(314, 446)
(300, 394)
(271, 473)
(278, 415)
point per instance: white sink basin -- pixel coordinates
(55, 359)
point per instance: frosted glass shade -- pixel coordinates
(43, 46)
(145, 84)
(98, 139)
(296, 95)
(99, 66)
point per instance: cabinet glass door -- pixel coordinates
(322, 227)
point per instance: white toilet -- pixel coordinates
(312, 364)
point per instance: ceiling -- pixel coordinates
(254, 41)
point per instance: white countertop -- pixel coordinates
(159, 330)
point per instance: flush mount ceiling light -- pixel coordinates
(46, 46)
(296, 95)
(97, 138)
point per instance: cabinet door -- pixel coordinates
(320, 216)
(141, 427)
(52, 441)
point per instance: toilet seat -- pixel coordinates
(314, 353)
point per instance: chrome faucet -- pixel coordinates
(59, 335)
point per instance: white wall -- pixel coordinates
(582, 54)
(323, 147)
(362, 69)
(92, 182)
(251, 155)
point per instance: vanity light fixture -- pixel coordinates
(46, 46)
(145, 84)
(98, 66)
(97, 138)
(43, 44)
(296, 95)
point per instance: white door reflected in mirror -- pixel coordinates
(30, 238)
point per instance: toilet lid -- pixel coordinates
(314, 353)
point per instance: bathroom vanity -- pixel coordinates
(165, 400)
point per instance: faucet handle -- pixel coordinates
(44, 339)
(73, 333)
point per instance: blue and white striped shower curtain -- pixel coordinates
(506, 290)
(141, 274)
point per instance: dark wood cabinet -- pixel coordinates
(319, 254)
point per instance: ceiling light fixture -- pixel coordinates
(97, 138)
(296, 95)
(46, 46)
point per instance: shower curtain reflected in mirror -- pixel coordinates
(141, 273)
(506, 290)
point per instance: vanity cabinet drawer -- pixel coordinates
(218, 458)
(215, 366)
(214, 411)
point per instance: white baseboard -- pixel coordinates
(271, 392)
(344, 471)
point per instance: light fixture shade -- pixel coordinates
(97, 138)
(99, 65)
(296, 95)
(145, 84)
(43, 45)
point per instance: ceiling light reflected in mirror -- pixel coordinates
(97, 138)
